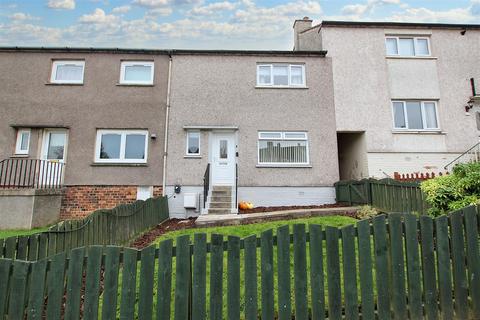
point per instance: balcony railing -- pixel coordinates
(31, 173)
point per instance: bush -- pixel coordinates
(454, 191)
(366, 212)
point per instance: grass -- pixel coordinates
(241, 231)
(20, 232)
(246, 230)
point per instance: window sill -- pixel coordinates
(418, 132)
(284, 166)
(118, 164)
(19, 156)
(63, 84)
(412, 57)
(280, 87)
(188, 156)
(134, 85)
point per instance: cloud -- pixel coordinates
(121, 9)
(213, 8)
(98, 17)
(20, 16)
(151, 3)
(155, 12)
(458, 15)
(61, 4)
(367, 8)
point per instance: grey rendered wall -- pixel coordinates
(365, 82)
(26, 98)
(220, 90)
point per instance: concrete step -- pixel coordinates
(214, 198)
(219, 211)
(221, 192)
(223, 205)
(221, 188)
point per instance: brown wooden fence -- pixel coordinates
(387, 195)
(107, 226)
(400, 267)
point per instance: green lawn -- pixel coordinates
(257, 228)
(20, 232)
(241, 231)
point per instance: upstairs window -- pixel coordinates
(283, 148)
(67, 72)
(407, 46)
(23, 141)
(136, 72)
(281, 75)
(121, 146)
(415, 115)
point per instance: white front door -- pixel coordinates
(223, 159)
(53, 152)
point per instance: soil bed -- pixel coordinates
(284, 208)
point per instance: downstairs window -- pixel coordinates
(283, 148)
(415, 115)
(121, 146)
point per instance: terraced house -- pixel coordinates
(405, 95)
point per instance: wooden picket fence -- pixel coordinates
(387, 195)
(400, 267)
(114, 226)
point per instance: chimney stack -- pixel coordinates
(298, 27)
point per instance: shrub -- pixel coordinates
(366, 212)
(454, 191)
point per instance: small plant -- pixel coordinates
(367, 212)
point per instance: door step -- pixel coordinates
(220, 200)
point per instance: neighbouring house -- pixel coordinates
(89, 120)
(254, 126)
(405, 96)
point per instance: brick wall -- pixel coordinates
(80, 201)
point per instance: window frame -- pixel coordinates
(289, 65)
(282, 138)
(129, 63)
(187, 153)
(422, 110)
(123, 139)
(57, 63)
(415, 39)
(18, 142)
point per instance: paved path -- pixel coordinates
(236, 219)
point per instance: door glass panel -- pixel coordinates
(56, 146)
(223, 149)
(110, 146)
(135, 146)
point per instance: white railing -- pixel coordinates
(471, 155)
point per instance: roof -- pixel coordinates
(367, 24)
(320, 53)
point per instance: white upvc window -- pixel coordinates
(67, 71)
(23, 141)
(415, 115)
(280, 75)
(193, 143)
(407, 46)
(121, 146)
(137, 72)
(283, 148)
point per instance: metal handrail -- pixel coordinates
(206, 184)
(236, 186)
(30, 173)
(477, 145)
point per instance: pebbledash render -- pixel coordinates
(254, 126)
(406, 94)
(92, 110)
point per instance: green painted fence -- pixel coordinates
(387, 195)
(395, 267)
(115, 226)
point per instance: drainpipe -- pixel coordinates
(167, 112)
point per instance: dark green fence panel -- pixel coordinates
(413, 267)
(428, 261)
(251, 298)
(147, 269)
(365, 269)
(399, 302)
(55, 286)
(333, 274)
(74, 283)
(129, 284)
(110, 291)
(182, 284)
(381, 267)
(199, 279)
(459, 269)
(349, 272)
(233, 278)
(36, 296)
(16, 309)
(473, 257)
(300, 271)
(317, 283)
(216, 277)
(444, 269)
(283, 269)
(92, 282)
(267, 275)
(164, 279)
